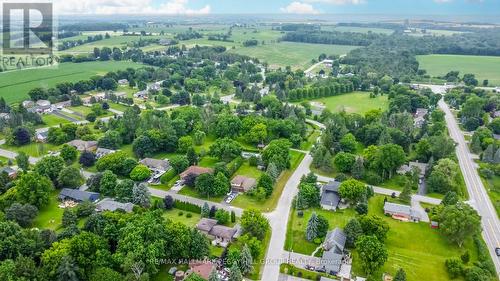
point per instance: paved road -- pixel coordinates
(478, 197)
(279, 219)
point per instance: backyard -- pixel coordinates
(356, 102)
(415, 247)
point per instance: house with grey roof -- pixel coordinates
(82, 145)
(221, 235)
(335, 239)
(42, 136)
(243, 184)
(108, 204)
(78, 195)
(101, 152)
(408, 168)
(401, 212)
(419, 117)
(156, 164)
(330, 197)
(12, 173)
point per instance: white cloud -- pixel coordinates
(299, 8)
(338, 2)
(107, 7)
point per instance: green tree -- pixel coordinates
(235, 273)
(50, 166)
(374, 225)
(227, 125)
(22, 160)
(312, 227)
(105, 274)
(389, 157)
(352, 190)
(221, 185)
(225, 149)
(246, 261)
(204, 183)
(400, 275)
(344, 161)
(358, 169)
(70, 177)
(450, 198)
(405, 194)
(459, 222)
(372, 253)
(257, 133)
(348, 143)
(277, 151)
(141, 195)
(68, 153)
(352, 231)
(108, 183)
(22, 214)
(34, 189)
(69, 217)
(140, 173)
(254, 223)
(67, 270)
(123, 190)
(205, 210)
(184, 143)
(308, 196)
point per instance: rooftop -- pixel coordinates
(335, 240)
(152, 163)
(206, 224)
(78, 195)
(108, 204)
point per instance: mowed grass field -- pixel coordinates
(15, 85)
(297, 55)
(356, 29)
(484, 67)
(356, 102)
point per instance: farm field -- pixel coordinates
(422, 259)
(15, 85)
(297, 55)
(114, 41)
(357, 102)
(357, 29)
(483, 67)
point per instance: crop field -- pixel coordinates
(297, 55)
(14, 85)
(114, 41)
(357, 102)
(357, 29)
(483, 67)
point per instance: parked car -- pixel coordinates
(497, 251)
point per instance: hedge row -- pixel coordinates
(170, 174)
(186, 206)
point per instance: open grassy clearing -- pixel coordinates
(356, 102)
(114, 41)
(52, 120)
(493, 188)
(15, 85)
(32, 149)
(245, 201)
(297, 55)
(483, 67)
(415, 247)
(50, 216)
(177, 215)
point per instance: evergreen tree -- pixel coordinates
(141, 195)
(312, 227)
(476, 144)
(405, 194)
(246, 261)
(205, 210)
(273, 171)
(235, 273)
(213, 276)
(358, 169)
(496, 158)
(400, 275)
(191, 156)
(489, 154)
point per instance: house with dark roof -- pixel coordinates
(10, 172)
(330, 197)
(243, 184)
(101, 152)
(333, 251)
(108, 204)
(401, 212)
(221, 235)
(78, 195)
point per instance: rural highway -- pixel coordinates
(478, 197)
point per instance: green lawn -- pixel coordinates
(174, 216)
(357, 29)
(483, 67)
(33, 149)
(249, 171)
(245, 201)
(50, 216)
(356, 102)
(118, 106)
(192, 192)
(297, 55)
(493, 187)
(15, 85)
(53, 120)
(415, 247)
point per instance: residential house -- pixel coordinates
(42, 136)
(78, 195)
(158, 167)
(330, 197)
(120, 94)
(243, 184)
(419, 117)
(221, 235)
(202, 268)
(4, 116)
(28, 104)
(401, 212)
(421, 167)
(155, 86)
(333, 251)
(123, 82)
(99, 96)
(82, 145)
(195, 171)
(141, 94)
(101, 152)
(11, 172)
(63, 104)
(43, 106)
(108, 204)
(248, 155)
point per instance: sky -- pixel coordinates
(204, 7)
